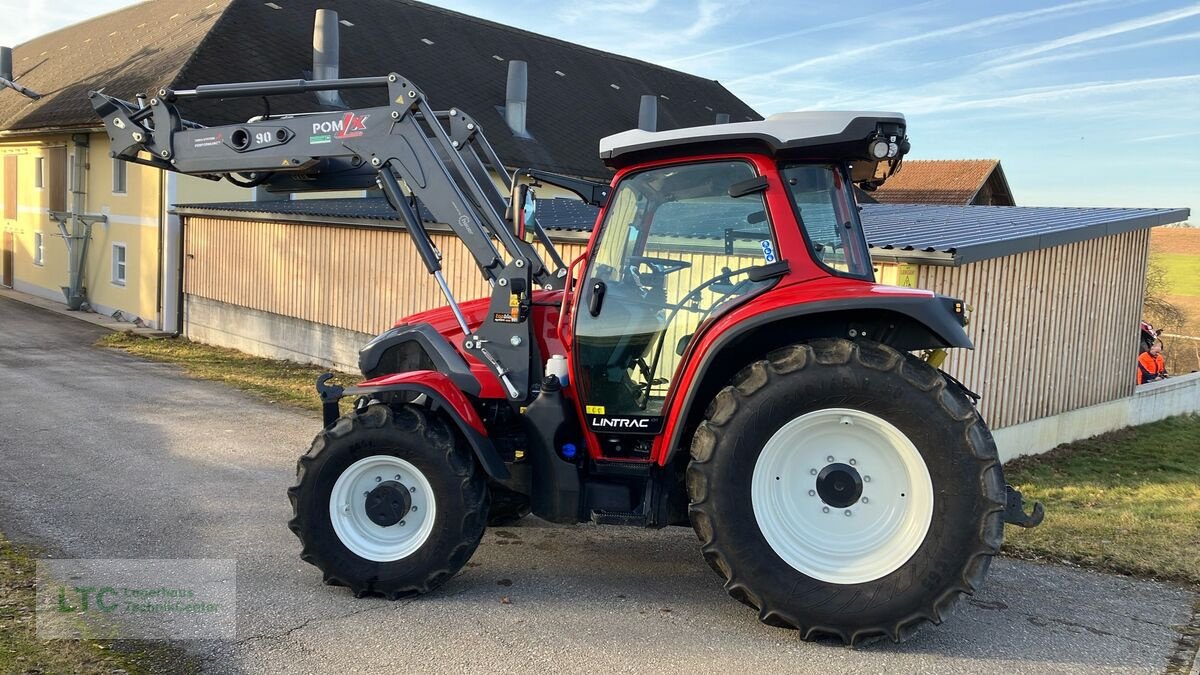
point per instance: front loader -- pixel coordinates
(721, 357)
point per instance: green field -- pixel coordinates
(1183, 272)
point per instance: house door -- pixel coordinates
(7, 262)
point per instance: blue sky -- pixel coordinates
(1086, 102)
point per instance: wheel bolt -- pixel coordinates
(812, 471)
(866, 479)
(402, 523)
(829, 458)
(414, 509)
(852, 462)
(412, 489)
(397, 476)
(824, 509)
(812, 493)
(378, 479)
(366, 494)
(849, 513)
(866, 501)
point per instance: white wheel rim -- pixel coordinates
(852, 544)
(348, 509)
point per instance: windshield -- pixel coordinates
(825, 207)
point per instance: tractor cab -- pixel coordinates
(701, 220)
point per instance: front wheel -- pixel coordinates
(388, 502)
(842, 488)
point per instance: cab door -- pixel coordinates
(674, 247)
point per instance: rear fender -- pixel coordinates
(904, 323)
(444, 396)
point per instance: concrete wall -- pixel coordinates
(271, 335)
(1148, 403)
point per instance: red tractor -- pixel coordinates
(721, 357)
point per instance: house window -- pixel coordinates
(118, 264)
(39, 249)
(120, 176)
(39, 172)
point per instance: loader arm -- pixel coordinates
(441, 157)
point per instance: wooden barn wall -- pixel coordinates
(1054, 329)
(359, 278)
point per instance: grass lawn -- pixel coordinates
(22, 652)
(276, 381)
(1127, 501)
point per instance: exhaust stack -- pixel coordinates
(648, 113)
(326, 45)
(516, 98)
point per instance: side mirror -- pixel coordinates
(523, 207)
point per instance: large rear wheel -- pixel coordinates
(844, 488)
(388, 502)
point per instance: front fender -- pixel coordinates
(443, 395)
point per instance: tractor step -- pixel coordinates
(620, 518)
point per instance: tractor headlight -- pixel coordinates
(878, 149)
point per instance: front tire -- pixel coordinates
(842, 488)
(388, 502)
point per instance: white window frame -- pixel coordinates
(70, 177)
(120, 266)
(120, 169)
(39, 172)
(39, 249)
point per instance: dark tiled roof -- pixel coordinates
(961, 234)
(184, 43)
(136, 49)
(936, 181)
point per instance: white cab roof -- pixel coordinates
(778, 132)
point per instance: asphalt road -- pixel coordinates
(106, 456)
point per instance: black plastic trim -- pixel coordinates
(439, 350)
(485, 450)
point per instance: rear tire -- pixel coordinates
(789, 529)
(434, 479)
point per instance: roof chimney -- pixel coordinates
(648, 113)
(722, 118)
(326, 46)
(516, 97)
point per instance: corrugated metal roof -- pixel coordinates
(953, 234)
(971, 233)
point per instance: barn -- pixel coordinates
(1056, 294)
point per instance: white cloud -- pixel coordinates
(1009, 20)
(1118, 28)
